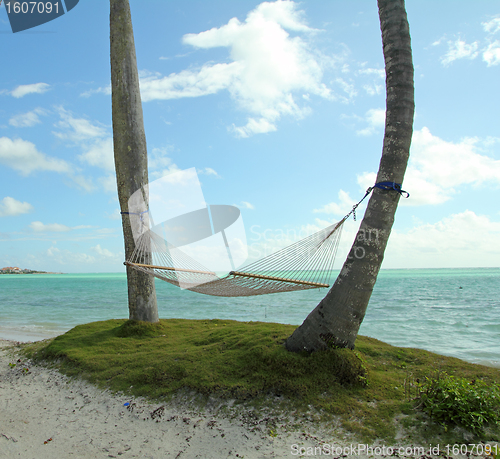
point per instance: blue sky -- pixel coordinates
(280, 108)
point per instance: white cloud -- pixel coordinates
(491, 55)
(438, 42)
(375, 118)
(283, 13)
(253, 126)
(446, 165)
(375, 86)
(39, 227)
(25, 89)
(247, 205)
(341, 208)
(100, 154)
(23, 156)
(82, 182)
(65, 257)
(373, 89)
(164, 172)
(379, 73)
(27, 119)
(53, 251)
(158, 158)
(160, 164)
(490, 141)
(77, 129)
(208, 80)
(104, 252)
(115, 215)
(208, 171)
(10, 207)
(459, 49)
(463, 239)
(96, 144)
(367, 179)
(108, 183)
(268, 67)
(437, 168)
(348, 88)
(492, 26)
(103, 90)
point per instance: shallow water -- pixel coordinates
(450, 311)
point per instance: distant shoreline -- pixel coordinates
(32, 272)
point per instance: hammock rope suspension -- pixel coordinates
(306, 264)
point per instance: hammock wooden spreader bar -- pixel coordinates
(281, 279)
(142, 265)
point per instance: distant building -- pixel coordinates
(11, 270)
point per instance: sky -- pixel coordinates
(279, 106)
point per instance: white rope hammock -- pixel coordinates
(304, 265)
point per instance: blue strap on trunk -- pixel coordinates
(392, 186)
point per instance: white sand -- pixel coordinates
(44, 414)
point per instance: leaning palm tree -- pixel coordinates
(337, 318)
(129, 139)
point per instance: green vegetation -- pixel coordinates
(371, 390)
(469, 403)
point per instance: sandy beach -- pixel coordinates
(44, 414)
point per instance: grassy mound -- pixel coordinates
(367, 388)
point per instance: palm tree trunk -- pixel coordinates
(130, 150)
(337, 318)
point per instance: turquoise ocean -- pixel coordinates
(454, 312)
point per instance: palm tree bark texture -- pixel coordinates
(130, 150)
(337, 318)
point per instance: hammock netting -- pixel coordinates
(306, 264)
